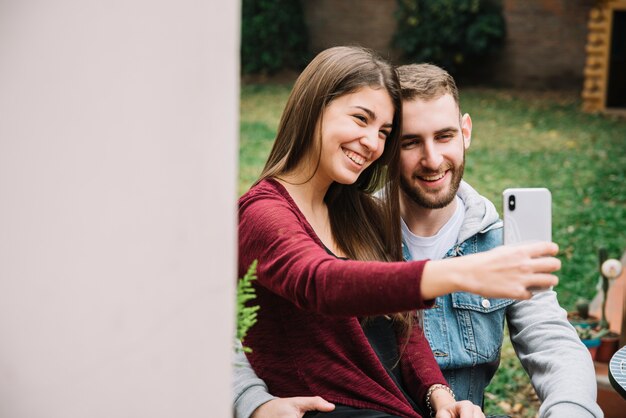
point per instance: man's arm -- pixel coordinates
(557, 362)
(249, 391)
(252, 399)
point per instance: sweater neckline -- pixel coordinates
(285, 193)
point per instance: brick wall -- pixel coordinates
(545, 46)
(368, 23)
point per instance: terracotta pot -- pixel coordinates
(592, 345)
(608, 346)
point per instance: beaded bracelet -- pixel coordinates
(430, 392)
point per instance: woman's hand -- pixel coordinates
(461, 409)
(292, 407)
(441, 399)
(504, 272)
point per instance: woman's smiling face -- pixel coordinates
(354, 128)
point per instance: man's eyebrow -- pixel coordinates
(449, 129)
(410, 136)
(372, 115)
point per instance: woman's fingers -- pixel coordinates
(540, 249)
(542, 280)
(545, 264)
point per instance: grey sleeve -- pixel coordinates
(559, 365)
(249, 391)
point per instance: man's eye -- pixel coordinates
(408, 144)
(446, 137)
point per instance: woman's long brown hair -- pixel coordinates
(364, 228)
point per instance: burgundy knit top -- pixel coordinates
(308, 340)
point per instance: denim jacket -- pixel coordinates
(465, 331)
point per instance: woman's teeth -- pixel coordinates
(358, 159)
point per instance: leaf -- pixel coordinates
(246, 315)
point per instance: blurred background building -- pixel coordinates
(529, 44)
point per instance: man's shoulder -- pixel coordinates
(485, 239)
(481, 216)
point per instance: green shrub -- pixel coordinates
(246, 315)
(449, 33)
(273, 36)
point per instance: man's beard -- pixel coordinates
(427, 201)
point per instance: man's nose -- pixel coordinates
(431, 158)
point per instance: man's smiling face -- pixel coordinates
(432, 157)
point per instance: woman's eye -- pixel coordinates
(383, 134)
(361, 118)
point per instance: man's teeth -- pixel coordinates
(433, 178)
(354, 157)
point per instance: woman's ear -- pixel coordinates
(466, 130)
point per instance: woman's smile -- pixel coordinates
(355, 157)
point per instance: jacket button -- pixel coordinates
(485, 303)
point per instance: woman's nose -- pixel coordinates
(370, 141)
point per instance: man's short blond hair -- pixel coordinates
(426, 82)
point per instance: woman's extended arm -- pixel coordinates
(505, 272)
(294, 265)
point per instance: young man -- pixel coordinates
(442, 216)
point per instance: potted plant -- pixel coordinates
(587, 326)
(591, 337)
(595, 333)
(580, 318)
(609, 343)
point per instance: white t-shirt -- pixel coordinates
(436, 246)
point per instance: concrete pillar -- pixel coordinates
(118, 150)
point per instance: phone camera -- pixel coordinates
(512, 202)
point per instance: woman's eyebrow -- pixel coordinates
(372, 115)
(369, 112)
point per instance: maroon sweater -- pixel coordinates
(308, 339)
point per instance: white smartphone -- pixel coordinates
(527, 215)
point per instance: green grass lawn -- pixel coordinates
(519, 140)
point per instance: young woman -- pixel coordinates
(329, 269)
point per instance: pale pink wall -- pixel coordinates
(118, 147)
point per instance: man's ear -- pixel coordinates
(466, 129)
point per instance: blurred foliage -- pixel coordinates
(246, 314)
(449, 33)
(273, 36)
(261, 107)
